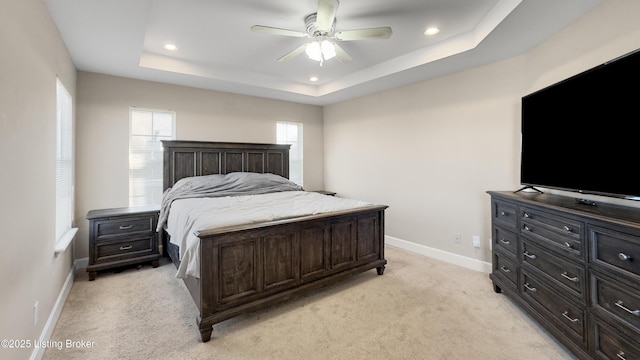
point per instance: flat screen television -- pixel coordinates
(582, 134)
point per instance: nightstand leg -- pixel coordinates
(155, 263)
(92, 275)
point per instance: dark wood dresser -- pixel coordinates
(122, 236)
(573, 267)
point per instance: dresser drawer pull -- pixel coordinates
(620, 304)
(530, 256)
(127, 247)
(566, 276)
(620, 355)
(127, 227)
(506, 242)
(526, 228)
(526, 215)
(624, 257)
(566, 316)
(502, 213)
(532, 289)
(505, 269)
(569, 246)
(566, 228)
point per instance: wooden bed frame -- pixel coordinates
(249, 267)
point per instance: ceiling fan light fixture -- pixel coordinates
(328, 49)
(314, 51)
(320, 28)
(321, 50)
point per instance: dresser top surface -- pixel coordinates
(600, 210)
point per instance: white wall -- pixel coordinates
(103, 132)
(33, 54)
(431, 150)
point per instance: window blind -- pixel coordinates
(64, 167)
(147, 129)
(291, 133)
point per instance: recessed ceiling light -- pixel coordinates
(431, 31)
(313, 78)
(170, 47)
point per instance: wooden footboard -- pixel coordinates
(246, 268)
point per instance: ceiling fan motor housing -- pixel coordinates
(312, 27)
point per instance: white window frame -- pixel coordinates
(65, 168)
(142, 195)
(296, 155)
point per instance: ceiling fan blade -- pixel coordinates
(293, 53)
(326, 14)
(364, 34)
(341, 55)
(277, 31)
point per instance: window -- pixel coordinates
(146, 129)
(291, 133)
(64, 168)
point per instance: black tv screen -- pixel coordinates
(582, 134)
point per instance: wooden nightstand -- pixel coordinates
(122, 236)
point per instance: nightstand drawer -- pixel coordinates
(124, 226)
(106, 251)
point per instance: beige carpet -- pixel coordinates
(419, 309)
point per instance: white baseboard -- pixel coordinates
(38, 352)
(441, 255)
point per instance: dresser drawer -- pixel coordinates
(610, 345)
(123, 249)
(570, 317)
(557, 232)
(505, 241)
(505, 214)
(567, 275)
(124, 226)
(616, 299)
(505, 268)
(615, 250)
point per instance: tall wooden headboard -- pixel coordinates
(196, 158)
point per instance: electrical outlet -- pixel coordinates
(476, 241)
(457, 238)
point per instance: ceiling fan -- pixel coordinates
(320, 26)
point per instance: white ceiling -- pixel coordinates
(217, 50)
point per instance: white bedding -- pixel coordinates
(196, 214)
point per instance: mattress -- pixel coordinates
(187, 216)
